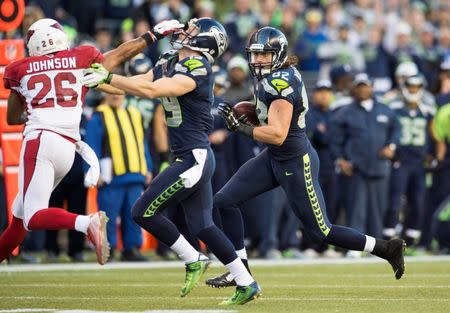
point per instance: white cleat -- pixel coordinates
(96, 234)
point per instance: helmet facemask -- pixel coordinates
(260, 69)
(186, 36)
(412, 96)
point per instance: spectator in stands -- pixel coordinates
(271, 13)
(443, 88)
(365, 136)
(443, 46)
(428, 55)
(103, 39)
(171, 10)
(116, 135)
(240, 89)
(239, 24)
(377, 61)
(405, 50)
(342, 50)
(309, 41)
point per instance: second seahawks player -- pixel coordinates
(289, 160)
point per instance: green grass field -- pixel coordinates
(288, 288)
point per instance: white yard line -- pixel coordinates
(177, 264)
(176, 285)
(263, 298)
(91, 311)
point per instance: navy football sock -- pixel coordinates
(160, 227)
(218, 243)
(233, 226)
(347, 238)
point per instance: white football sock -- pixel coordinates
(240, 273)
(82, 223)
(370, 244)
(242, 253)
(184, 250)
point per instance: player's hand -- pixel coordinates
(226, 112)
(96, 75)
(387, 153)
(148, 178)
(168, 27)
(345, 166)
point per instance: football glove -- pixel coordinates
(161, 30)
(96, 75)
(233, 123)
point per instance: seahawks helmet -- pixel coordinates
(267, 39)
(204, 35)
(417, 81)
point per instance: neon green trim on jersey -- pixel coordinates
(279, 84)
(192, 64)
(163, 197)
(312, 196)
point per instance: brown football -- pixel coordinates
(248, 109)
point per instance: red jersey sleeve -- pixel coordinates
(10, 79)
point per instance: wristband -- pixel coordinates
(164, 156)
(109, 78)
(149, 38)
(245, 129)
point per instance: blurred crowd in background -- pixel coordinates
(395, 52)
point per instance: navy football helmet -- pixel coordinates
(204, 35)
(137, 65)
(267, 39)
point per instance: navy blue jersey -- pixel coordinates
(413, 144)
(285, 84)
(188, 117)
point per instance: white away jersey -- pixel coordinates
(51, 89)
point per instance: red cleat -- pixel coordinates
(96, 234)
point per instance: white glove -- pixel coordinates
(88, 155)
(96, 75)
(165, 28)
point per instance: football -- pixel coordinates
(249, 110)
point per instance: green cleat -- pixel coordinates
(244, 294)
(194, 272)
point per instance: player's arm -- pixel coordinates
(110, 89)
(129, 49)
(275, 132)
(279, 121)
(174, 86)
(141, 85)
(124, 52)
(15, 112)
(159, 131)
(161, 137)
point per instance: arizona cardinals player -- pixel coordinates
(47, 95)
